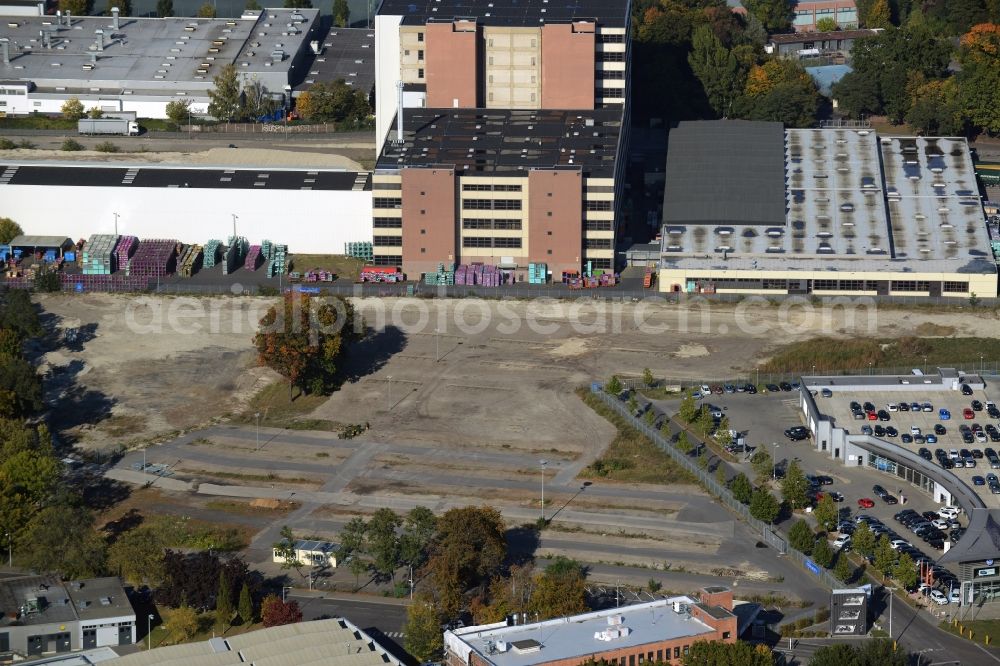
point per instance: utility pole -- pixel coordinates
(411, 582)
(116, 223)
(257, 416)
(388, 395)
(544, 463)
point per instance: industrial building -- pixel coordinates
(42, 614)
(329, 207)
(119, 63)
(752, 208)
(809, 12)
(658, 631)
(345, 53)
(816, 44)
(333, 642)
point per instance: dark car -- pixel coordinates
(879, 431)
(889, 499)
(797, 434)
(977, 454)
(906, 438)
(855, 406)
(977, 406)
(925, 454)
(930, 515)
(869, 407)
(879, 490)
(785, 386)
(890, 431)
(883, 415)
(978, 481)
(773, 388)
(904, 407)
(966, 389)
(835, 496)
(940, 430)
(948, 463)
(824, 480)
(750, 388)
(968, 438)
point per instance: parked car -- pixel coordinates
(931, 439)
(904, 406)
(842, 541)
(977, 406)
(892, 407)
(890, 500)
(944, 414)
(940, 430)
(966, 389)
(835, 496)
(955, 596)
(906, 439)
(867, 430)
(883, 415)
(891, 432)
(826, 393)
(797, 433)
(773, 388)
(785, 386)
(866, 503)
(925, 453)
(927, 407)
(950, 511)
(968, 414)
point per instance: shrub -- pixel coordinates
(106, 147)
(70, 145)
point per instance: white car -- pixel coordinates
(706, 389)
(955, 596)
(949, 511)
(892, 407)
(937, 596)
(842, 540)
(898, 543)
(914, 430)
(941, 523)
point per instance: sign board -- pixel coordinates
(812, 567)
(306, 290)
(989, 571)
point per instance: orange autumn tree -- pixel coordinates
(305, 340)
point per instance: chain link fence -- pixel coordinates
(720, 491)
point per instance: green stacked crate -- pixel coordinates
(235, 254)
(276, 256)
(361, 251)
(445, 275)
(538, 273)
(98, 254)
(212, 253)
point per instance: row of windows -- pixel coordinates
(611, 56)
(845, 285)
(611, 74)
(609, 92)
(480, 187)
(485, 241)
(597, 205)
(388, 241)
(387, 222)
(954, 287)
(420, 53)
(385, 186)
(387, 260)
(605, 38)
(491, 204)
(597, 243)
(598, 225)
(910, 285)
(487, 223)
(599, 263)
(387, 202)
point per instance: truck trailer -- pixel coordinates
(118, 126)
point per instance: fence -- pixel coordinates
(720, 491)
(260, 128)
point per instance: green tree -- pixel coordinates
(285, 549)
(341, 13)
(863, 540)
(684, 444)
(332, 101)
(722, 433)
(259, 102)
(688, 410)
(95, 112)
(881, 652)
(843, 569)
(936, 109)
(905, 572)
(76, 7)
(182, 624)
(560, 590)
(224, 603)
(245, 608)
(801, 537)
(763, 465)
(423, 630)
(835, 655)
(124, 7)
(419, 526)
(252, 5)
(614, 385)
(647, 377)
(775, 15)
(857, 94)
(383, 542)
(72, 109)
(716, 68)
(137, 556)
(9, 230)
(178, 111)
(207, 10)
(717, 653)
(763, 506)
(469, 549)
(164, 8)
(822, 553)
(61, 539)
(885, 556)
(826, 513)
(305, 340)
(297, 4)
(878, 15)
(795, 487)
(224, 98)
(741, 488)
(827, 24)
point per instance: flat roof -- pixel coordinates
(725, 172)
(348, 54)
(89, 599)
(40, 241)
(613, 13)
(86, 174)
(577, 635)
(506, 142)
(981, 540)
(798, 37)
(333, 642)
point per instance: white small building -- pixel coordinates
(312, 553)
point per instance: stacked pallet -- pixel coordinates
(361, 251)
(235, 254)
(389, 274)
(445, 275)
(154, 259)
(538, 273)
(124, 250)
(190, 261)
(99, 255)
(253, 259)
(276, 256)
(477, 273)
(104, 283)
(212, 253)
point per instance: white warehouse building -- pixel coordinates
(309, 210)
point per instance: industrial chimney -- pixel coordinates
(69, 22)
(100, 39)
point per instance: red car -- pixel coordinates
(968, 413)
(866, 503)
(872, 416)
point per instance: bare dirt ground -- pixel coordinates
(217, 156)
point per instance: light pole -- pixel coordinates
(980, 364)
(235, 217)
(149, 631)
(925, 364)
(437, 345)
(388, 395)
(411, 582)
(543, 463)
(116, 223)
(10, 551)
(257, 416)
(891, 591)
(869, 367)
(774, 462)
(144, 462)
(283, 589)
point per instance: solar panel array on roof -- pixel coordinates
(612, 13)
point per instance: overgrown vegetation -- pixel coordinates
(631, 456)
(833, 354)
(185, 532)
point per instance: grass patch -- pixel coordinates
(276, 411)
(123, 424)
(248, 509)
(659, 393)
(829, 354)
(37, 122)
(631, 457)
(347, 268)
(185, 532)
(980, 630)
(270, 477)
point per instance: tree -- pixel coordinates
(857, 94)
(905, 572)
(723, 434)
(207, 10)
(979, 79)
(763, 506)
(245, 608)
(684, 444)
(285, 549)
(259, 103)
(835, 655)
(61, 539)
(274, 612)
(843, 569)
(297, 4)
(423, 630)
(827, 24)
(224, 603)
(863, 540)
(224, 98)
(164, 8)
(469, 549)
(306, 341)
(560, 590)
(716, 68)
(822, 553)
(795, 486)
(76, 7)
(179, 110)
(182, 624)
(341, 13)
(826, 513)
(419, 526)
(95, 112)
(688, 410)
(383, 542)
(333, 101)
(252, 5)
(936, 109)
(762, 464)
(717, 653)
(614, 385)
(885, 556)
(28, 476)
(72, 109)
(137, 556)
(189, 578)
(9, 230)
(647, 377)
(881, 652)
(775, 15)
(801, 537)
(741, 488)
(878, 15)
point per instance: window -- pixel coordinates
(420, 55)
(609, 56)
(476, 223)
(604, 38)
(725, 635)
(507, 242)
(420, 36)
(600, 263)
(406, 52)
(420, 73)
(909, 285)
(597, 205)
(477, 241)
(954, 287)
(677, 652)
(548, 252)
(598, 225)
(611, 74)
(387, 260)
(491, 204)
(514, 225)
(598, 243)
(387, 222)
(476, 187)
(687, 650)
(388, 241)
(387, 202)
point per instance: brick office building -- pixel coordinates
(515, 114)
(662, 630)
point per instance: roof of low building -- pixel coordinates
(981, 540)
(798, 37)
(509, 12)
(40, 241)
(348, 54)
(33, 600)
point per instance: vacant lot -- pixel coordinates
(826, 354)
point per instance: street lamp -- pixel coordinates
(149, 631)
(10, 550)
(388, 396)
(891, 591)
(257, 416)
(235, 217)
(774, 462)
(543, 463)
(116, 223)
(437, 345)
(283, 588)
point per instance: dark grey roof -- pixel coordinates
(981, 540)
(725, 172)
(612, 13)
(348, 54)
(506, 141)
